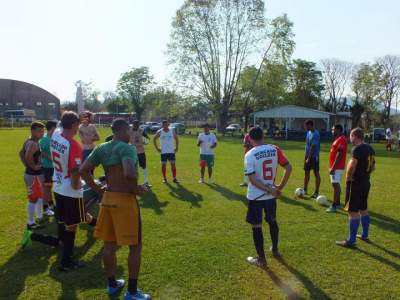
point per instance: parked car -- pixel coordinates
(233, 128)
(145, 128)
(378, 134)
(179, 128)
(155, 128)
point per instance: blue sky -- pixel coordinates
(53, 43)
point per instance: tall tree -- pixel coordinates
(366, 86)
(336, 74)
(133, 85)
(211, 41)
(390, 81)
(306, 84)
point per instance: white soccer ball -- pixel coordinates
(322, 200)
(299, 192)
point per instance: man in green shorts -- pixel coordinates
(207, 141)
(119, 222)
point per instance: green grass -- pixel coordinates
(196, 239)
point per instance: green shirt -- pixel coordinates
(44, 145)
(113, 153)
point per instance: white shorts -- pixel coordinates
(337, 177)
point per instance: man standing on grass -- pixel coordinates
(261, 163)
(33, 176)
(48, 169)
(168, 150)
(66, 154)
(359, 168)
(137, 134)
(207, 141)
(389, 139)
(247, 147)
(311, 157)
(337, 164)
(119, 220)
(87, 133)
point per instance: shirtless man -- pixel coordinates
(137, 134)
(119, 220)
(87, 133)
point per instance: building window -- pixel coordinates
(19, 104)
(38, 103)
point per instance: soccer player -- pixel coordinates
(87, 133)
(389, 139)
(33, 177)
(261, 163)
(168, 149)
(337, 164)
(48, 169)
(119, 220)
(359, 168)
(66, 153)
(247, 147)
(311, 160)
(137, 134)
(207, 141)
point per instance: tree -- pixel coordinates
(390, 83)
(336, 74)
(306, 84)
(366, 86)
(165, 103)
(117, 105)
(211, 41)
(133, 85)
(357, 109)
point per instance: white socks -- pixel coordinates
(31, 213)
(39, 206)
(145, 175)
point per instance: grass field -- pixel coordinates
(196, 239)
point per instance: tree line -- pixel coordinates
(229, 61)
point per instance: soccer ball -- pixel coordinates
(321, 200)
(299, 192)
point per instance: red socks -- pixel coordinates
(164, 170)
(173, 169)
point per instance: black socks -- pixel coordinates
(45, 239)
(69, 242)
(258, 239)
(274, 232)
(112, 282)
(132, 286)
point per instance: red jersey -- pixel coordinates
(247, 143)
(339, 144)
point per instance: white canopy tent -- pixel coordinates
(291, 113)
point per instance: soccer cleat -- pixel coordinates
(147, 184)
(33, 226)
(201, 180)
(365, 239)
(114, 290)
(164, 180)
(138, 296)
(210, 181)
(243, 184)
(175, 180)
(345, 244)
(274, 251)
(70, 266)
(315, 195)
(256, 261)
(331, 209)
(26, 238)
(48, 212)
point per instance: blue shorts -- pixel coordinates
(255, 209)
(168, 157)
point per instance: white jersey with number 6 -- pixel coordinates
(262, 161)
(66, 154)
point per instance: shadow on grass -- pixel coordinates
(381, 259)
(390, 252)
(384, 222)
(229, 194)
(285, 288)
(150, 200)
(180, 192)
(300, 202)
(315, 291)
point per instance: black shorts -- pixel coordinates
(168, 157)
(48, 175)
(255, 209)
(142, 160)
(358, 196)
(312, 165)
(70, 211)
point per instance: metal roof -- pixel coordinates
(294, 112)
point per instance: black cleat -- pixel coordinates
(71, 266)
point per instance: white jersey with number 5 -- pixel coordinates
(66, 154)
(262, 161)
